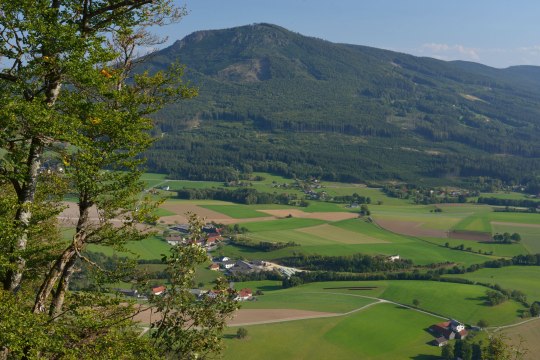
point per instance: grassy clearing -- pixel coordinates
(500, 250)
(147, 249)
(481, 221)
(380, 332)
(530, 237)
(236, 211)
(523, 278)
(463, 302)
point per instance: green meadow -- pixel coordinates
(523, 278)
(147, 249)
(466, 303)
(383, 331)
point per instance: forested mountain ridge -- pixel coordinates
(273, 100)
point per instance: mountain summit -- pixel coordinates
(274, 100)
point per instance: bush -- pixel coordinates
(241, 333)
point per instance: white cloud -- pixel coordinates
(447, 52)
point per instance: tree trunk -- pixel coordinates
(63, 285)
(61, 265)
(24, 213)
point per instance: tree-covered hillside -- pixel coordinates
(273, 100)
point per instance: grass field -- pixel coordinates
(147, 249)
(382, 331)
(523, 278)
(460, 301)
(481, 221)
(463, 302)
(500, 250)
(530, 236)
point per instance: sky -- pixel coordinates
(498, 33)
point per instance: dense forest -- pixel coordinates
(276, 101)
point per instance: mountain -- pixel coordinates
(274, 100)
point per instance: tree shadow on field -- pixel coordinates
(425, 357)
(269, 287)
(401, 307)
(482, 300)
(229, 336)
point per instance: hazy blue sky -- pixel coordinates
(498, 33)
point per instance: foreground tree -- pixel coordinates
(74, 120)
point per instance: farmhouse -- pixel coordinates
(214, 267)
(158, 290)
(393, 257)
(440, 341)
(452, 329)
(174, 239)
(244, 295)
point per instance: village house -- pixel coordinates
(158, 290)
(174, 239)
(244, 295)
(214, 267)
(449, 330)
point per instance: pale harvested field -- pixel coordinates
(411, 228)
(339, 235)
(249, 316)
(536, 226)
(328, 216)
(180, 209)
(530, 333)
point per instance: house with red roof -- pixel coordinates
(158, 290)
(214, 267)
(244, 294)
(449, 330)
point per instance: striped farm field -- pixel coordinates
(339, 235)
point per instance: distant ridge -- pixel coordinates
(274, 100)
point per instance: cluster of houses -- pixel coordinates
(181, 236)
(243, 295)
(237, 266)
(448, 330)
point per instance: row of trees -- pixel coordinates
(241, 196)
(356, 263)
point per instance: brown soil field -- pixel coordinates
(469, 235)
(536, 226)
(410, 228)
(249, 316)
(530, 333)
(328, 216)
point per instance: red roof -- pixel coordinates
(245, 293)
(214, 266)
(158, 289)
